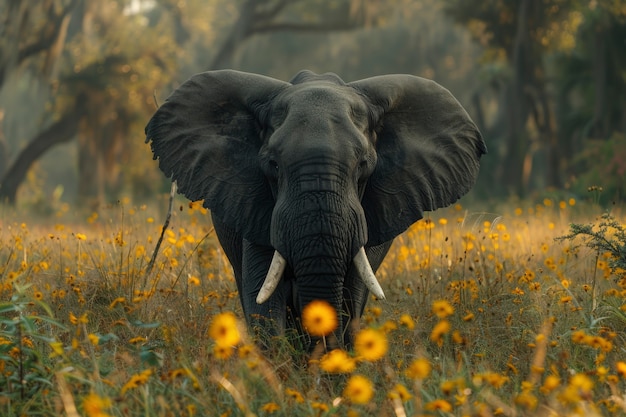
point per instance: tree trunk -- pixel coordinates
(517, 105)
(4, 148)
(61, 131)
(599, 125)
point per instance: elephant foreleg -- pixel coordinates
(269, 318)
(232, 243)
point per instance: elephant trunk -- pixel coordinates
(328, 288)
(320, 260)
(318, 233)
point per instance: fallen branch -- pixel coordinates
(163, 229)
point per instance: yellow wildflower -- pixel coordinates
(245, 351)
(582, 382)
(359, 389)
(494, 379)
(137, 380)
(442, 309)
(550, 384)
(295, 395)
(518, 291)
(457, 337)
(137, 340)
(57, 349)
(177, 373)
(375, 311)
(448, 386)
(319, 318)
(439, 405)
(370, 345)
(319, 406)
(526, 399)
(578, 336)
(223, 351)
(75, 320)
(400, 391)
(95, 406)
(337, 361)
(407, 321)
(419, 369)
(388, 326)
(117, 301)
(579, 384)
(224, 330)
(270, 407)
(439, 330)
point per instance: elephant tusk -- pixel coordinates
(274, 274)
(364, 270)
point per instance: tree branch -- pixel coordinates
(303, 27)
(45, 40)
(272, 11)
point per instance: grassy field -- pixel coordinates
(486, 314)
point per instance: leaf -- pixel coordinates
(103, 338)
(151, 357)
(7, 307)
(142, 325)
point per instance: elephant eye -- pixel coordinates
(274, 166)
(364, 170)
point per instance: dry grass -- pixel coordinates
(485, 315)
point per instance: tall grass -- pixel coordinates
(486, 314)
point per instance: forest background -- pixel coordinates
(545, 81)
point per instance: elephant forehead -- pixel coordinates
(324, 102)
(319, 121)
(319, 128)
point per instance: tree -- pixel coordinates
(101, 85)
(58, 132)
(32, 36)
(557, 67)
(590, 98)
(27, 32)
(518, 36)
(116, 80)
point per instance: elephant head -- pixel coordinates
(312, 179)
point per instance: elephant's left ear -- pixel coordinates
(428, 152)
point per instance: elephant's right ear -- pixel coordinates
(207, 136)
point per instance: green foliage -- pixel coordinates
(608, 236)
(602, 162)
(556, 68)
(27, 327)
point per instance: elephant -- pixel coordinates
(309, 181)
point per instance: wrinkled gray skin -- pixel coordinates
(315, 169)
